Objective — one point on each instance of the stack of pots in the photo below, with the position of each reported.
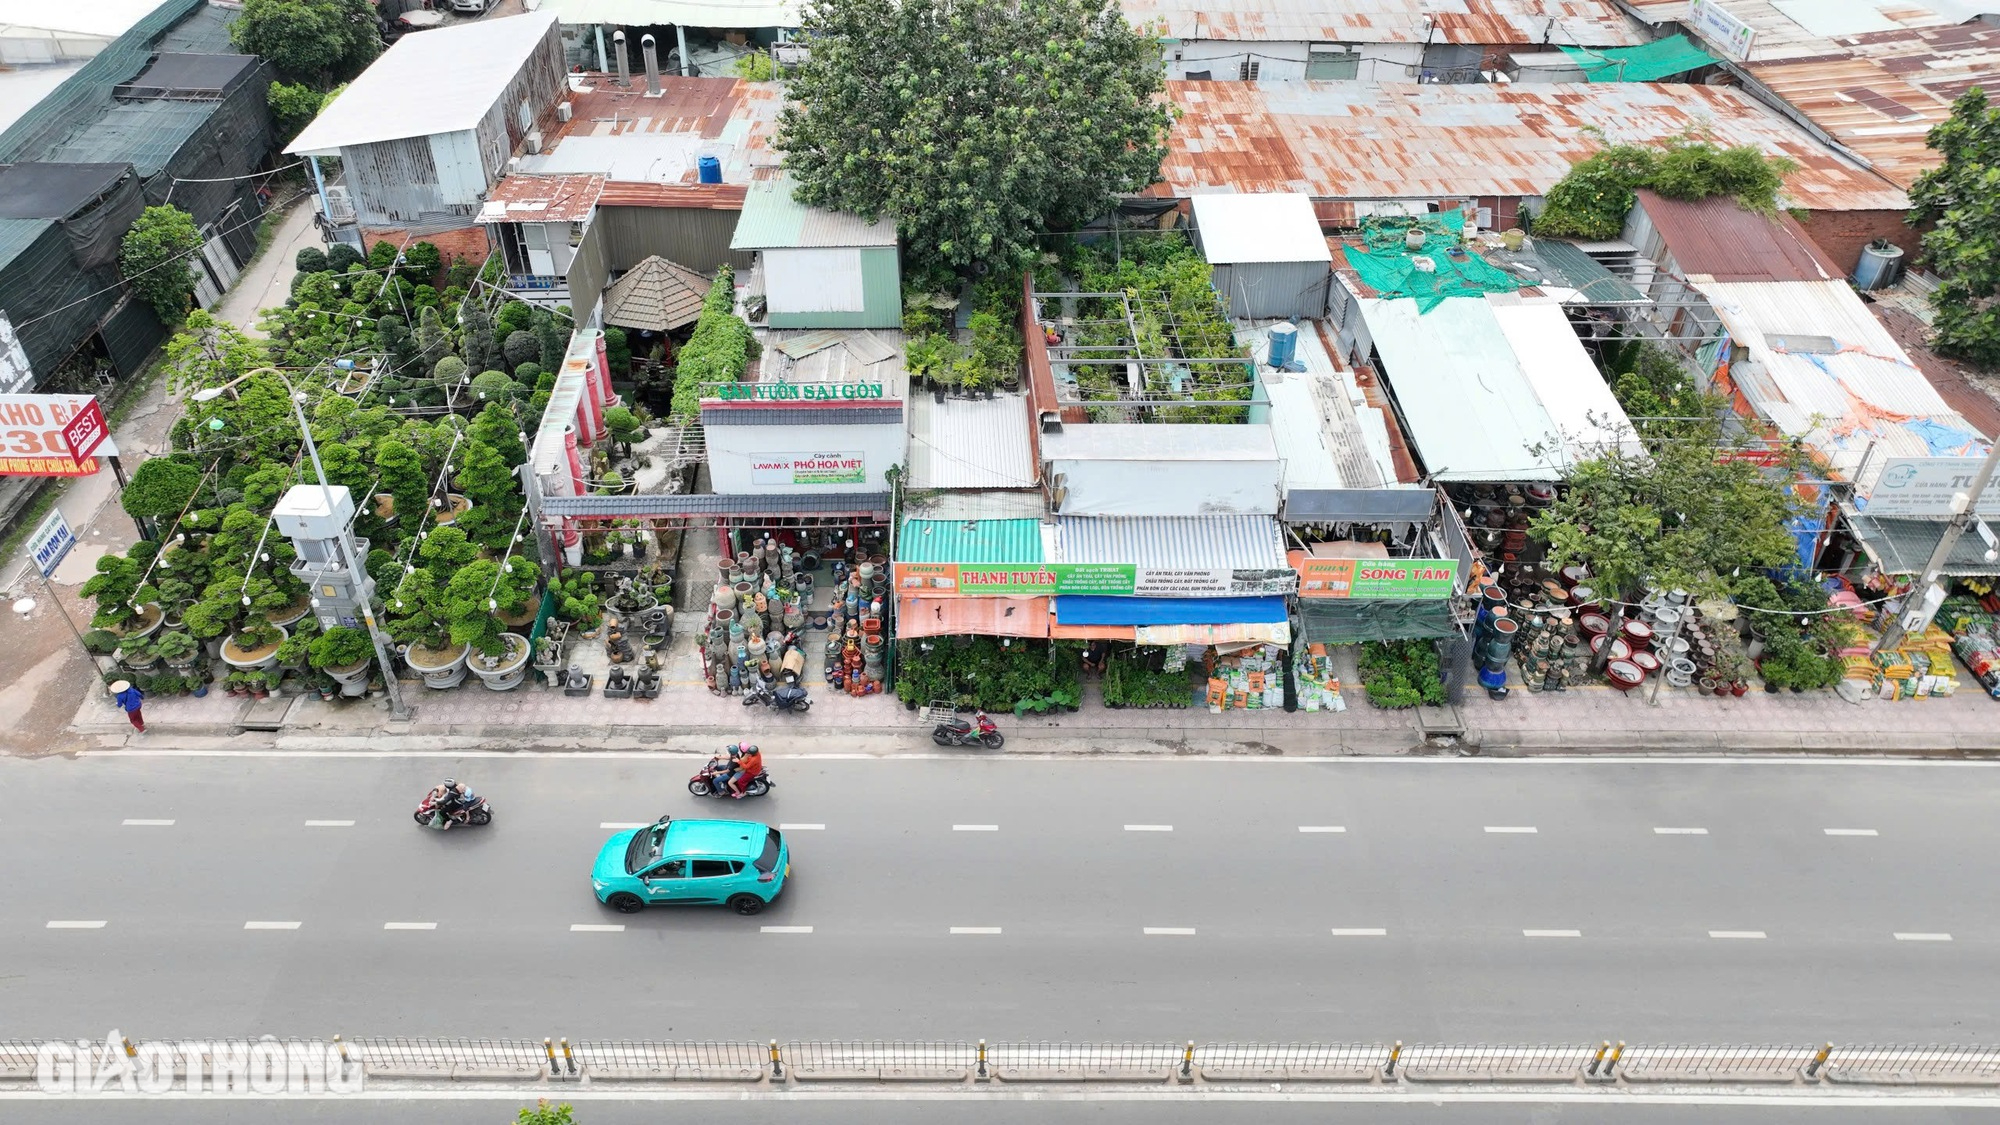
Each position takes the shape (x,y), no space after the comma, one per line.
(1493,636)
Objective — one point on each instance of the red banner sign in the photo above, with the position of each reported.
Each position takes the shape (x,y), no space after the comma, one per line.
(86,431)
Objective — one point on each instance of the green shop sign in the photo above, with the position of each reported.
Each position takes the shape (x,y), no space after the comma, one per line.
(981,579)
(974,580)
(797,392)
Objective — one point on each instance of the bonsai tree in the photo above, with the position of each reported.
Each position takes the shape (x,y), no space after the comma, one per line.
(446,549)
(520,347)
(119,586)
(577,601)
(485,477)
(161,488)
(469,604)
(341,647)
(175,647)
(216,612)
(402,477)
(417,612)
(518,579)
(497,427)
(100,642)
(625,428)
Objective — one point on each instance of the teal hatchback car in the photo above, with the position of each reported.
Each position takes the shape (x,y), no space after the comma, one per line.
(738,862)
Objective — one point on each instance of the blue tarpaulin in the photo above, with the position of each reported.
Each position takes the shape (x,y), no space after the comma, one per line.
(1091,609)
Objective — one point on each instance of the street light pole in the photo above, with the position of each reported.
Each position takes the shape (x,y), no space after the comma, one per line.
(1892,633)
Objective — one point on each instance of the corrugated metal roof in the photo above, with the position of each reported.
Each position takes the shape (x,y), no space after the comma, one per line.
(527,198)
(1570,274)
(16,235)
(1470,411)
(1588,23)
(970,541)
(1274,227)
(1316,426)
(1718,237)
(1110,441)
(706,197)
(1867,393)
(773,220)
(983,504)
(144,134)
(1363,140)
(442,81)
(971,443)
(1172,542)
(1878,91)
(706,504)
(1905,546)
(1563,377)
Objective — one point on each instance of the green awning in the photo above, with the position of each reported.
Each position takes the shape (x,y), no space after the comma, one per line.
(1345,621)
(1664,58)
(970,541)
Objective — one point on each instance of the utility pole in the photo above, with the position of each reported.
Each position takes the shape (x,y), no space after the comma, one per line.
(1965,512)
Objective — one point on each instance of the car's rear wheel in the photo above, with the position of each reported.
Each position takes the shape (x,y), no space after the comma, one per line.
(745,905)
(625,903)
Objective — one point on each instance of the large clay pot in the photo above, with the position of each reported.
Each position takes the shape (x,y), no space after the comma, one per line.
(503,673)
(440,670)
(252,660)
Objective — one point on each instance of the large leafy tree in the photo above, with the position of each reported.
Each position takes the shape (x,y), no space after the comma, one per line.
(318,42)
(975,124)
(156,260)
(1962,197)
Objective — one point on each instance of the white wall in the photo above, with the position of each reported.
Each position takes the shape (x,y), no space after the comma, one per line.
(820,279)
(1278,62)
(735,454)
(1167,487)
(461,179)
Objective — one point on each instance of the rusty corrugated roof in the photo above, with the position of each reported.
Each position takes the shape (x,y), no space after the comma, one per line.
(529,198)
(727,117)
(1876,92)
(709,197)
(1358,141)
(1576,23)
(1718,238)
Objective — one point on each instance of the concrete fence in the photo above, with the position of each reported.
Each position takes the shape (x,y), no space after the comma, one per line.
(1162,1063)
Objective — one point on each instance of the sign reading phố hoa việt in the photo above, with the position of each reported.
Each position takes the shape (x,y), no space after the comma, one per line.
(798,392)
(805,469)
(1378,578)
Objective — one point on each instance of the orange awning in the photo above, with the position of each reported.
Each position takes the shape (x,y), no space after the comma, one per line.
(982,617)
(1061,632)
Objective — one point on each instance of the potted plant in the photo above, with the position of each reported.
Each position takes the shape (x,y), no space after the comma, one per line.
(178,648)
(343,654)
(577,601)
(210,619)
(125,602)
(100,642)
(253,646)
(417,619)
(471,601)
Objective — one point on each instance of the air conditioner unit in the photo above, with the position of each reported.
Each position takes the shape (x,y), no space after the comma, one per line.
(534,145)
(514,164)
(564,110)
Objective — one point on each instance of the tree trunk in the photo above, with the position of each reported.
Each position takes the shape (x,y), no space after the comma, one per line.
(1602,658)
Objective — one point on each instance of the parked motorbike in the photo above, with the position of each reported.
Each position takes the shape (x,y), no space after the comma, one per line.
(474,812)
(709,783)
(958,732)
(784,697)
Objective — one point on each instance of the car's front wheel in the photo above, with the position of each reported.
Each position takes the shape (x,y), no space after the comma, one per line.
(746,905)
(625,903)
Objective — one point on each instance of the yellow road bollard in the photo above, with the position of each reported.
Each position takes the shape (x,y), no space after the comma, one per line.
(1598,1060)
(131,1052)
(549,1049)
(777,1065)
(982,1058)
(1187,1060)
(1819,1060)
(1395,1052)
(569,1060)
(342,1048)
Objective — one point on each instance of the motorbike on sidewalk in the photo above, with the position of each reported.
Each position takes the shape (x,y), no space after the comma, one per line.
(784,697)
(709,781)
(475,811)
(980,731)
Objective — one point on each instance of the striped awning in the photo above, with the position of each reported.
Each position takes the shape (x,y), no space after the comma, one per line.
(1172,542)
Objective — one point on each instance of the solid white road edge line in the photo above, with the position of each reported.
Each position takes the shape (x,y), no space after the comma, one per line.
(270,925)
(679,759)
(149,824)
(329,824)
(975,929)
(975,828)
(74,925)
(1746,935)
(1923,937)
(1781,1096)
(1321,828)
(1551,933)
(1170,931)
(1519,830)
(1852,832)
(596,928)
(1680,831)
(1360,932)
(409,925)
(785,929)
(1149,828)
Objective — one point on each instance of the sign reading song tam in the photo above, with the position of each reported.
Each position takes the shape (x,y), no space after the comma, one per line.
(1378,578)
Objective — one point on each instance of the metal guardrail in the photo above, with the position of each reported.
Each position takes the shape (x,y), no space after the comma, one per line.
(808,1061)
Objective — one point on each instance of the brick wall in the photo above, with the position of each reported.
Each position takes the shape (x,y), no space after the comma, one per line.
(1842,234)
(465,242)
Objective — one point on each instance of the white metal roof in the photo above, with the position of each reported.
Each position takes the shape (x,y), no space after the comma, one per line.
(1469,410)
(1111,441)
(970,443)
(1171,542)
(687,13)
(1866,393)
(1572,391)
(107,19)
(442,81)
(1316,421)
(1259,227)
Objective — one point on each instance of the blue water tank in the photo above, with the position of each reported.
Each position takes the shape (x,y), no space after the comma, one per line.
(711,170)
(1284,345)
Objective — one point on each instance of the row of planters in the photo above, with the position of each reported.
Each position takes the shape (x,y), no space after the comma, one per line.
(992,674)
(989,357)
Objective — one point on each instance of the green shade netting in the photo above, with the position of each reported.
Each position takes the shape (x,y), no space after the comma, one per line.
(1676,54)
(1342,621)
(1390,268)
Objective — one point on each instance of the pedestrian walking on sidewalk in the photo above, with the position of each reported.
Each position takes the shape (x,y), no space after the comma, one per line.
(131,699)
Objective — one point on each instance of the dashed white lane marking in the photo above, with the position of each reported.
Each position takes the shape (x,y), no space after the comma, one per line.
(1923,937)
(1322,828)
(1170,931)
(329,824)
(75,925)
(1852,832)
(621,825)
(149,824)
(786,929)
(801,827)
(596,928)
(1551,933)
(975,929)
(1680,831)
(975,828)
(1149,828)
(1518,830)
(1360,931)
(409,925)
(1744,935)
(270,925)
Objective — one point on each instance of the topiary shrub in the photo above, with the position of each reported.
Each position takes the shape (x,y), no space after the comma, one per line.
(1401,674)
(340,257)
(310,259)
(521,347)
(341,647)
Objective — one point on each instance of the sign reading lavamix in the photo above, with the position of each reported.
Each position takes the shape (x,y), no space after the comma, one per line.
(807,469)
(1378,578)
(952,580)
(798,392)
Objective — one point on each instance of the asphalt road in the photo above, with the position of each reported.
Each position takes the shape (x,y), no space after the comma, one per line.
(1474,942)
